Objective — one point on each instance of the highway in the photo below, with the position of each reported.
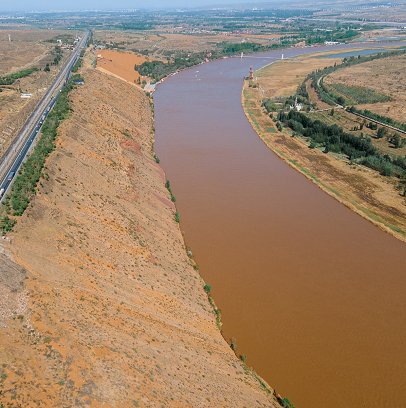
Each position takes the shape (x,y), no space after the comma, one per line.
(25,139)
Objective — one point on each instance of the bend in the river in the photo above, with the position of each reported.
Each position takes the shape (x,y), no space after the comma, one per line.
(314,294)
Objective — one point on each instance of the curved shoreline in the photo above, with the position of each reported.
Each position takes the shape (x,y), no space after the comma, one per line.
(319,183)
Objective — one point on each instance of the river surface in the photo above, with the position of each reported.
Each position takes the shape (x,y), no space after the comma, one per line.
(314,295)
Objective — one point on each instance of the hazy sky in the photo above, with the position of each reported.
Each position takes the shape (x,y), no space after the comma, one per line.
(40,5)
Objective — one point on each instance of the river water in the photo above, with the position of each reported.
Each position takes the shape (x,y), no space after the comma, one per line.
(314,295)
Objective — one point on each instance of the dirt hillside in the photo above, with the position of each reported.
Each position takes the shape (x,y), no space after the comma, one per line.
(101,306)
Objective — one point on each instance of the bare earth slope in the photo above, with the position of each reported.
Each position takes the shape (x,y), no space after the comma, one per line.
(107,310)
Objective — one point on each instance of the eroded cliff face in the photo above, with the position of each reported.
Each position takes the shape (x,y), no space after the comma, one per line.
(104,308)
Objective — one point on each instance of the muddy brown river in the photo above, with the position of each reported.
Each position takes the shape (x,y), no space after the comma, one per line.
(314,294)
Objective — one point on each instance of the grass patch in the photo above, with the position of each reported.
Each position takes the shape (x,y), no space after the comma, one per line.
(361,94)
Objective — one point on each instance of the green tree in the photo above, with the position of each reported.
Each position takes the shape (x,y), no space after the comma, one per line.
(332,112)
(207,288)
(381,133)
(341,100)
(396,140)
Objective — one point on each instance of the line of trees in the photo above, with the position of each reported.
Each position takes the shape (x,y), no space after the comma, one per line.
(334,139)
(379,118)
(30,172)
(10,79)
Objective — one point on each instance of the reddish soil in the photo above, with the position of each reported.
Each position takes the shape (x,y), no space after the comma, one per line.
(120,63)
(101,306)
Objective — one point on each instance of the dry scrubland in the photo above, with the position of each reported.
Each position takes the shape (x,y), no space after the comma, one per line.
(281,78)
(102,306)
(25,48)
(386,76)
(13,108)
(363,190)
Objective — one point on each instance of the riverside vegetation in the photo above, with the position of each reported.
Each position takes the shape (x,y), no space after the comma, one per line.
(332,137)
(343,144)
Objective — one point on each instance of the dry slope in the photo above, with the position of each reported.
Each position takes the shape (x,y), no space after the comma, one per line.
(105,308)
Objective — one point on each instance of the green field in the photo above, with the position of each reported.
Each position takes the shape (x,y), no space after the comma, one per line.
(360,94)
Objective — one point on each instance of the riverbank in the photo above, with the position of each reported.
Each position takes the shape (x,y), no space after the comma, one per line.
(106,298)
(362,190)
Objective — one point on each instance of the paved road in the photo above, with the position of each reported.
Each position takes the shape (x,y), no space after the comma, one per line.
(21,145)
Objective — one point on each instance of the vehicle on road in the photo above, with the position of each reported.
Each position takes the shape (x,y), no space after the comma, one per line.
(10,175)
(1,192)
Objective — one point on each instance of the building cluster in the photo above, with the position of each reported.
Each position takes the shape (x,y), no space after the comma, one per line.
(68,46)
(298,106)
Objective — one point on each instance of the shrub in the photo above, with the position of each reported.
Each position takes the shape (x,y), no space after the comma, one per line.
(7,224)
(207,288)
(287,404)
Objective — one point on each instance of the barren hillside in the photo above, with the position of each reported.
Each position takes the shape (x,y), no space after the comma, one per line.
(102,306)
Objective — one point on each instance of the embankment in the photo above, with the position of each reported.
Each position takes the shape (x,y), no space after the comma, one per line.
(100,303)
(363,190)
